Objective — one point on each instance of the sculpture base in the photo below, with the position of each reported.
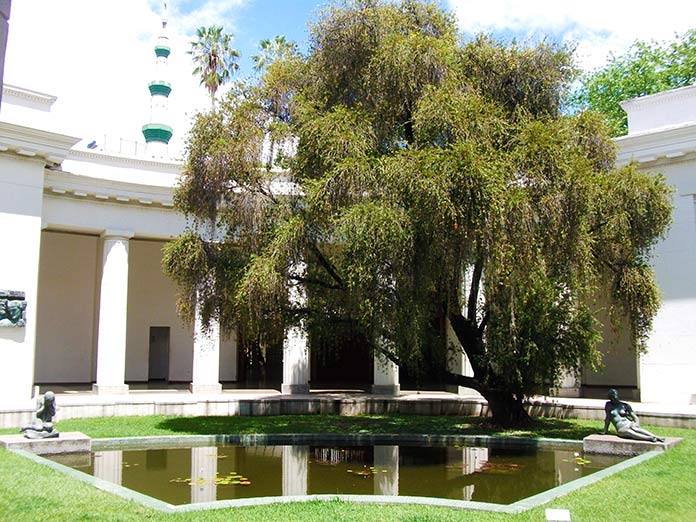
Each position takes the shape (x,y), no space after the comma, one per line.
(614,445)
(69,442)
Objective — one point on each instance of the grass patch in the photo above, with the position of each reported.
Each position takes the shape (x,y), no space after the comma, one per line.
(660,489)
(105,427)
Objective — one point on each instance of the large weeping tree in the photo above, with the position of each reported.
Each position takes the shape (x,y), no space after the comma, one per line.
(427,185)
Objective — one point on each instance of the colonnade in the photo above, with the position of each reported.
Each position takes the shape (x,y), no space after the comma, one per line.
(112,336)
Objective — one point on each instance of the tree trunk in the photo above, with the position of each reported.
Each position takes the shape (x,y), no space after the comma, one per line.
(506,408)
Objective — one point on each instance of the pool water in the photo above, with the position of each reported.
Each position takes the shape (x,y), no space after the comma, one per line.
(205,474)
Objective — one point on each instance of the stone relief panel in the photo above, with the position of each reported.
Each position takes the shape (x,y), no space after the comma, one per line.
(13,309)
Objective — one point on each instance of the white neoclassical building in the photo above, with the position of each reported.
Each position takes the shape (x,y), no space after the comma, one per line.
(80,261)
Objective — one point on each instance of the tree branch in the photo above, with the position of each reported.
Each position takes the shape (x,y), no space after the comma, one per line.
(327,265)
(463,380)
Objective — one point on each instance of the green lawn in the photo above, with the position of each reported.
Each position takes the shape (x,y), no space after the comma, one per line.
(662,489)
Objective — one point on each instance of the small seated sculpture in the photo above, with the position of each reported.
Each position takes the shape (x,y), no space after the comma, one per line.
(621,415)
(42,427)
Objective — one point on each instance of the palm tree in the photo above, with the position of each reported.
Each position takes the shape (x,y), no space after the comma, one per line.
(214,58)
(272,50)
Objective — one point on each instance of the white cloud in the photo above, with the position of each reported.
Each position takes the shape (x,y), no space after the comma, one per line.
(98,57)
(596,26)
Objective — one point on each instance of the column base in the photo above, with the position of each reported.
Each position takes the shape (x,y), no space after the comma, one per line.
(386,389)
(205,388)
(453,388)
(294,389)
(110,389)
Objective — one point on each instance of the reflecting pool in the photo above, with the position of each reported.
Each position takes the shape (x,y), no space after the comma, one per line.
(208,473)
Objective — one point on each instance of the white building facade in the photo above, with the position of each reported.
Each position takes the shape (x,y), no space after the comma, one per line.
(83,232)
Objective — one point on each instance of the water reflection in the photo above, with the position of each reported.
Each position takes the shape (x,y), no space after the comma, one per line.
(386,465)
(204,464)
(205,474)
(108,465)
(295,470)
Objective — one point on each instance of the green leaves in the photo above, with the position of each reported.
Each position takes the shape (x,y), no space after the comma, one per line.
(425,181)
(646,68)
(214,58)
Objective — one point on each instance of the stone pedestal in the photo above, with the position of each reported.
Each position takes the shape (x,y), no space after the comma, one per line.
(614,445)
(70,442)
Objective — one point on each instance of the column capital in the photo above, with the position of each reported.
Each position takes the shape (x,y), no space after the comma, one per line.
(117,233)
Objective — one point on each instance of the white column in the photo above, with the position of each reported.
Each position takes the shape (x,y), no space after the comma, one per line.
(113,306)
(206,357)
(386,462)
(108,465)
(295,470)
(204,463)
(295,351)
(386,376)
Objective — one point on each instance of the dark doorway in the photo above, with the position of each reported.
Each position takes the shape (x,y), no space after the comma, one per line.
(340,358)
(259,363)
(159,354)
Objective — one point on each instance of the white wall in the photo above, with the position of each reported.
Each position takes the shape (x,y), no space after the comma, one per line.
(67,308)
(668,370)
(152,302)
(21,187)
(620,363)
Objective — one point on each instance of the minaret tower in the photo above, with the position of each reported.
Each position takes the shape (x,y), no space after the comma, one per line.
(157,133)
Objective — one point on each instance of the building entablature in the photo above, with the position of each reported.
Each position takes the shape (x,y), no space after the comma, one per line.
(65,184)
(122,168)
(20,96)
(50,147)
(658,147)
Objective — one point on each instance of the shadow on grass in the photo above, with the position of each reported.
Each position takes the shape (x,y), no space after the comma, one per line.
(401,424)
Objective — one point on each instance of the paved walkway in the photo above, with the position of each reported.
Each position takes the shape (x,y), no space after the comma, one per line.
(177,400)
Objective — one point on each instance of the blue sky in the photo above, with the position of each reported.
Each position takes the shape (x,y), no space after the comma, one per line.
(97,55)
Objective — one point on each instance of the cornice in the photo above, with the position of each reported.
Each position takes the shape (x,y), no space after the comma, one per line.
(171,167)
(67,185)
(35,99)
(27,141)
(659,98)
(657,146)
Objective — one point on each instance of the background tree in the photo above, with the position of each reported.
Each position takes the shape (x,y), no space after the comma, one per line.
(214,57)
(277,48)
(435,186)
(646,68)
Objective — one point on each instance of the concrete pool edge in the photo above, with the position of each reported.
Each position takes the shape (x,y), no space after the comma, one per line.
(494,441)
(270,439)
